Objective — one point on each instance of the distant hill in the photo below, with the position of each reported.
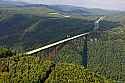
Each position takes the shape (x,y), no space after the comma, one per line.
(74,10)
(63,9)
(83,11)
(11,3)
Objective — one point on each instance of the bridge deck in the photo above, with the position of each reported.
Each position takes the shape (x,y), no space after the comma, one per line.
(54,44)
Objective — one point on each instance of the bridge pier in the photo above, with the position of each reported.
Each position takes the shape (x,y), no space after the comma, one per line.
(85,52)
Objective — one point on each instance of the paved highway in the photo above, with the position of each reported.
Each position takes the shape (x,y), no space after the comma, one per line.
(54,44)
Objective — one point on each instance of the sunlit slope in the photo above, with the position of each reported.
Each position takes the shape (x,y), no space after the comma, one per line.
(70,73)
(24,69)
(34,69)
(31,11)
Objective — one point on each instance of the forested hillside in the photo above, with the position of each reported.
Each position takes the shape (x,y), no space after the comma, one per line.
(106,52)
(106,58)
(70,73)
(35,69)
(25,32)
(24,27)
